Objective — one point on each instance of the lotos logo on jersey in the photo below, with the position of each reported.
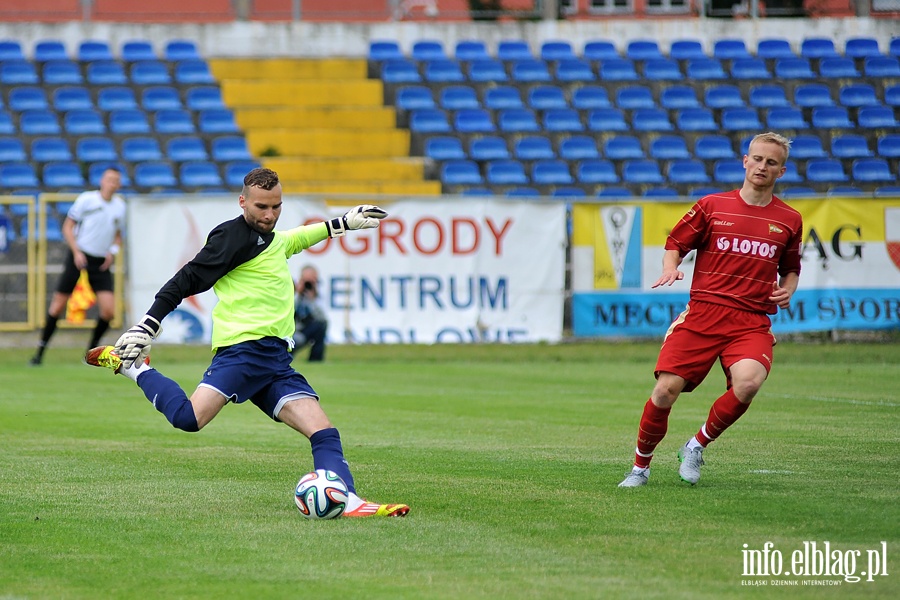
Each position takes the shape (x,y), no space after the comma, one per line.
(753,247)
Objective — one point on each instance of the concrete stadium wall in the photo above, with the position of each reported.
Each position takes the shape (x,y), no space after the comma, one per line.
(301,39)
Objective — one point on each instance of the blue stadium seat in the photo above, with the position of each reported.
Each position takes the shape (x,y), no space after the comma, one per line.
(687,172)
(135,50)
(18,72)
(400,70)
(825,170)
(203,97)
(850,145)
(186,148)
(811,95)
(669,147)
(225,148)
(63,175)
(651,119)
(686,50)
(770,95)
(888,145)
(176,50)
(487,71)
(510,50)
(428,50)
(705,69)
(11,50)
(91,50)
(522,192)
(568,192)
(750,68)
(735,119)
(642,172)
(45,50)
(18,175)
(174,121)
(106,72)
(467,50)
(831,117)
(141,149)
(50,149)
(128,121)
(533,147)
(793,68)
(455,97)
(664,69)
(443,71)
(618,69)
(506,172)
(546,97)
(501,97)
(95,149)
(876,117)
(845,191)
(643,50)
(782,117)
(729,171)
(730,49)
(555,50)
(589,97)
(714,147)
(28,98)
(116,98)
(84,122)
(798,191)
(818,48)
(160,97)
(661,192)
(193,72)
(12,150)
(154,174)
(679,96)
(574,70)
(217,121)
(887,191)
(858,94)
(838,68)
(598,50)
(892,95)
(200,174)
(562,119)
(724,96)
(72,98)
(615,191)
(381,50)
(529,71)
(551,172)
(427,120)
(61,72)
(807,146)
(578,147)
(414,97)
(39,122)
(894,47)
(696,119)
(474,120)
(861,47)
(149,72)
(513,120)
(596,171)
(623,147)
(236,170)
(489,147)
(791,174)
(607,119)
(631,97)
(476,191)
(705,190)
(773,48)
(882,66)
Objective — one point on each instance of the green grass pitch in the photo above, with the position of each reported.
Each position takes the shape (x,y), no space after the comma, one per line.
(508,455)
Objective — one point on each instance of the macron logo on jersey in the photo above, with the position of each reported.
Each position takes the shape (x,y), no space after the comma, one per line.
(752,247)
(260,241)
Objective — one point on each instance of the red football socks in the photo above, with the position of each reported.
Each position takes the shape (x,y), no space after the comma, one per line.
(653,427)
(724,412)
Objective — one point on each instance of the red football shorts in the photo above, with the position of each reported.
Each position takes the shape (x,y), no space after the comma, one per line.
(705,332)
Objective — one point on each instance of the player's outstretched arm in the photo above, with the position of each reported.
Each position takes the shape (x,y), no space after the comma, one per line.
(134,344)
(364,216)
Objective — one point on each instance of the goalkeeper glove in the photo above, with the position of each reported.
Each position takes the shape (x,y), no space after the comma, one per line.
(364,216)
(134,345)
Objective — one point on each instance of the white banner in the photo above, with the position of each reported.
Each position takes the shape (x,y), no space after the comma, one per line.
(437,271)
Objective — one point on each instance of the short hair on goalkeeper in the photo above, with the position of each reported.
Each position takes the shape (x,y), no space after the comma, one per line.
(260,177)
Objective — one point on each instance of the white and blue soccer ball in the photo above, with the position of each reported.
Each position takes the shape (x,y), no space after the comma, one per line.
(321,494)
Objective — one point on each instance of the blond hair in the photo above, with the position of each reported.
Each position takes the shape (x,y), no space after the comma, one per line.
(774,138)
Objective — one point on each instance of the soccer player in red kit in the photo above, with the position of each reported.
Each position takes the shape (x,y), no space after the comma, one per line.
(747,266)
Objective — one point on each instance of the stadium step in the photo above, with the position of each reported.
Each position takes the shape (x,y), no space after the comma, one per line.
(253,93)
(398,188)
(365,169)
(363,117)
(333,143)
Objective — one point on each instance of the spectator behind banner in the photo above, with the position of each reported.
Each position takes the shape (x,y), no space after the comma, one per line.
(309,318)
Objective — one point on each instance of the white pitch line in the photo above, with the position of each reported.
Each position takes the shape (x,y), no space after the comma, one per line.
(838,400)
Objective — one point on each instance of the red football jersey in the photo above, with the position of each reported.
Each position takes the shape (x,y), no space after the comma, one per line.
(741,249)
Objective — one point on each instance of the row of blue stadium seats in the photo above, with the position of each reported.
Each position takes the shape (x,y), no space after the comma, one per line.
(105,72)
(92,50)
(118,122)
(665,147)
(544,96)
(686,49)
(144,176)
(525,120)
(622,69)
(129,149)
(652,172)
(151,98)
(665,192)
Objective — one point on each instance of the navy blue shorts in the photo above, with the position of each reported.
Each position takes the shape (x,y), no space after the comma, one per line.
(259,371)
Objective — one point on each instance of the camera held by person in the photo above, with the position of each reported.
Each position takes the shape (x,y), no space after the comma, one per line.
(309,318)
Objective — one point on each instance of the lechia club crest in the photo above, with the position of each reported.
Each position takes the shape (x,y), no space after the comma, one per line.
(892,234)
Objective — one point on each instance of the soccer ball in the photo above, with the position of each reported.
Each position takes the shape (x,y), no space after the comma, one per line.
(321,494)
